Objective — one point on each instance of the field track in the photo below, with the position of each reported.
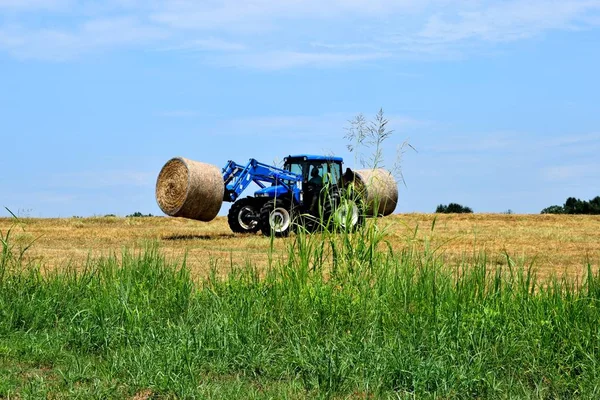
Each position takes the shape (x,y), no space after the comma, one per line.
(555,243)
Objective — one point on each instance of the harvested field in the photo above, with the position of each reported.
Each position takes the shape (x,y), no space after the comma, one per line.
(555,243)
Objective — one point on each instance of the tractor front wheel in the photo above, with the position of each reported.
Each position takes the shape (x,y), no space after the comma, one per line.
(244,216)
(276,218)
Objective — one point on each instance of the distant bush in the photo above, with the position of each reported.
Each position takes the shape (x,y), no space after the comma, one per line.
(453,208)
(553,210)
(138,214)
(576,206)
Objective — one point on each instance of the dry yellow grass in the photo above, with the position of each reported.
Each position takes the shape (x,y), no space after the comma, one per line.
(558,243)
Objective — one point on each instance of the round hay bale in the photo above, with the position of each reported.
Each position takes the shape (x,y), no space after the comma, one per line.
(190,189)
(379,190)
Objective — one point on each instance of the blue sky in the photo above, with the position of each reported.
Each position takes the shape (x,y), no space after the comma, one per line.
(501,99)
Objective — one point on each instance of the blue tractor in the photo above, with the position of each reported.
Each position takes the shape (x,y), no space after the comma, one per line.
(307,193)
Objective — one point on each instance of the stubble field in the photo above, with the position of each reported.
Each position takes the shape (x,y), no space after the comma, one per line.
(555,244)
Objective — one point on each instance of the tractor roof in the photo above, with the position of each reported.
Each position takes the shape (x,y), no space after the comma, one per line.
(309,157)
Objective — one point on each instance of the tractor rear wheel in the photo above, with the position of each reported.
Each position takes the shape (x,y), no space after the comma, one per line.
(276,218)
(244,216)
(344,212)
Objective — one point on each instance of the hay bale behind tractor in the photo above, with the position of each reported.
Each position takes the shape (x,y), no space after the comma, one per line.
(379,190)
(190,189)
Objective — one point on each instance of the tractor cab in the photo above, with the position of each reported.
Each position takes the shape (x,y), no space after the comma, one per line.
(329,169)
(318,172)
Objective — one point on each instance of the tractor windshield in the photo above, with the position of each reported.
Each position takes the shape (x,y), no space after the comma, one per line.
(296,168)
(326,172)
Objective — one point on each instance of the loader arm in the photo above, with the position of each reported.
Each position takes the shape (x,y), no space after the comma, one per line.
(237,177)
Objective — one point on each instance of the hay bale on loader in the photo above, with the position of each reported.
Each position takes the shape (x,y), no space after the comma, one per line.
(190,189)
(378,189)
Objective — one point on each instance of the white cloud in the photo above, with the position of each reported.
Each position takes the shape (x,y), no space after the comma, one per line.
(577,172)
(268,34)
(479,143)
(508,20)
(317,128)
(52,197)
(179,113)
(261,15)
(292,59)
(314,126)
(95,34)
(569,140)
(32,5)
(102,179)
(210,43)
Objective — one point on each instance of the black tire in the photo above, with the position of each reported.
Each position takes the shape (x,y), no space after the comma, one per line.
(276,218)
(243,216)
(343,212)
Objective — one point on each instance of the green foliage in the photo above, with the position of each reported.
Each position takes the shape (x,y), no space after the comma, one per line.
(576,206)
(138,214)
(553,210)
(374,323)
(453,208)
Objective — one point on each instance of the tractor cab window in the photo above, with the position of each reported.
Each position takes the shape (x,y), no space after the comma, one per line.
(326,173)
(334,173)
(295,168)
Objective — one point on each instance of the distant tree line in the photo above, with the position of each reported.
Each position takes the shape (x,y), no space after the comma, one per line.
(576,206)
(453,208)
(138,214)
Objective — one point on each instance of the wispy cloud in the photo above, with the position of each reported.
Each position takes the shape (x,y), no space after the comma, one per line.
(570,172)
(54,197)
(268,34)
(316,122)
(291,59)
(577,139)
(211,43)
(282,125)
(101,179)
(91,35)
(32,5)
(478,143)
(508,21)
(179,114)
(264,15)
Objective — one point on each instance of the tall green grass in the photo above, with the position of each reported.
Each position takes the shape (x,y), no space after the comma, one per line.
(343,316)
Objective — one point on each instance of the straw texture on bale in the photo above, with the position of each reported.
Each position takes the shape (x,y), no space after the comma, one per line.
(379,190)
(190,189)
